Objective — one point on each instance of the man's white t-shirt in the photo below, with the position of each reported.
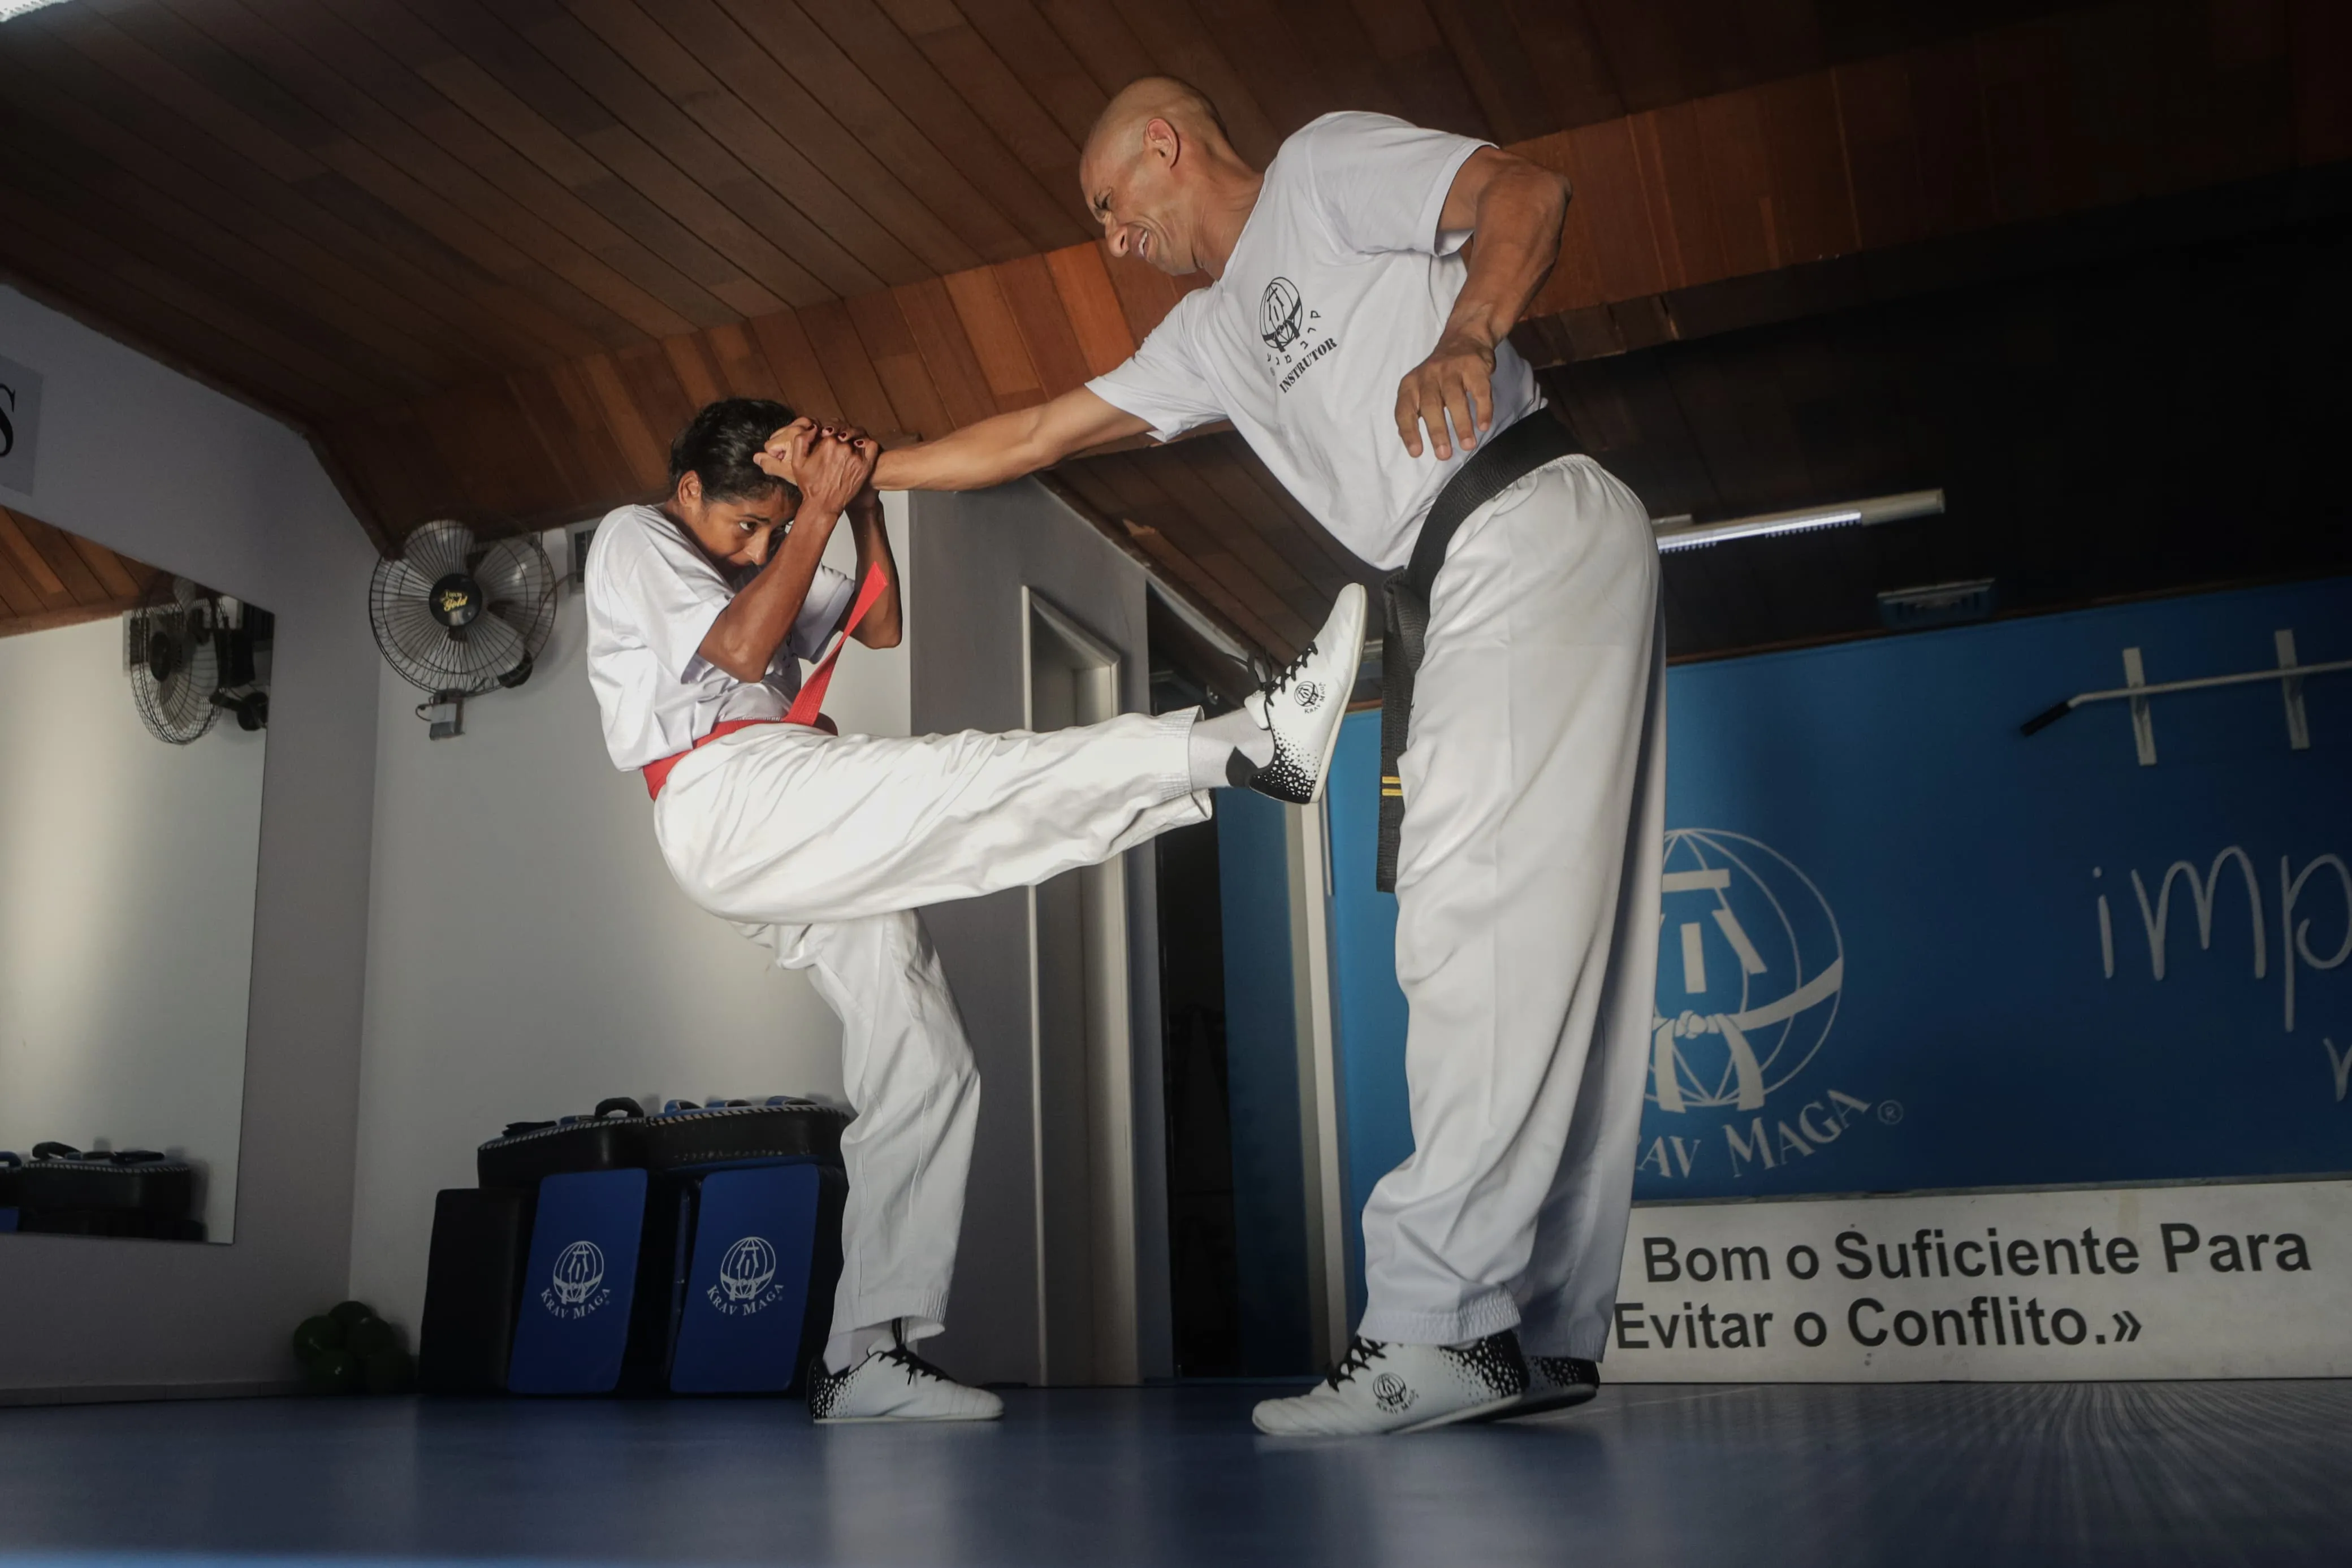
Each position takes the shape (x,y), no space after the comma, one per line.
(652,596)
(1339,286)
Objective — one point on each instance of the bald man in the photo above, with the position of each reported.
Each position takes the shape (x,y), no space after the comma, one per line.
(1354,333)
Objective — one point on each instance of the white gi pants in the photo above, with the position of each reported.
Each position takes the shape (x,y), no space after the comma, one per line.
(1527,898)
(821,849)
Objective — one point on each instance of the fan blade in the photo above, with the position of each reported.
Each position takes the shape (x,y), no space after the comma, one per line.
(514,569)
(401,578)
(523,617)
(438,548)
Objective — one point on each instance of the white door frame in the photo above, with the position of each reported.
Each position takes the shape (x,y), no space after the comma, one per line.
(1109,1349)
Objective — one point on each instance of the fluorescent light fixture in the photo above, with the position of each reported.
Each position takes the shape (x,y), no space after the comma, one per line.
(12,9)
(1680,533)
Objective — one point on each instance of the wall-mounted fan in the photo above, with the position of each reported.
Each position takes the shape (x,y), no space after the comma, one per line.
(457,617)
(193,654)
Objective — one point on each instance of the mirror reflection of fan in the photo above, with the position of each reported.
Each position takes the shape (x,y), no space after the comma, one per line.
(193,654)
(456,617)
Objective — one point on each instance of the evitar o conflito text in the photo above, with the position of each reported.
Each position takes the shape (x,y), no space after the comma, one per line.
(2005,1311)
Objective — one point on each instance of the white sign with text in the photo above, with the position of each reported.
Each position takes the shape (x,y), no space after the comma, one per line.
(2245,1280)
(20,423)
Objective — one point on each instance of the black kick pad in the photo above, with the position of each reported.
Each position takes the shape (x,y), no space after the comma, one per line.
(473,1286)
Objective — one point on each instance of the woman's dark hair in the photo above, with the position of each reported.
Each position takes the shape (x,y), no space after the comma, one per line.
(719,443)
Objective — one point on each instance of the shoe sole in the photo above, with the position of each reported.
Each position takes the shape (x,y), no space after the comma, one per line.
(1523,1405)
(1331,737)
(897,1420)
(1474,1413)
(1470,1413)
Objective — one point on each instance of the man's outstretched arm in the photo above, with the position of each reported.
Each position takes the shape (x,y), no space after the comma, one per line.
(1007,445)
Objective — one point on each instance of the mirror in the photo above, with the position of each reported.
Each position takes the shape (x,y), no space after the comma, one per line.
(134,712)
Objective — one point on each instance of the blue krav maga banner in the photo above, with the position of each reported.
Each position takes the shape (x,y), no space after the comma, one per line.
(1903,947)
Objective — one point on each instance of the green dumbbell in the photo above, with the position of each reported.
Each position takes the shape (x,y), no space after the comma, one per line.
(317,1335)
(370,1337)
(332,1372)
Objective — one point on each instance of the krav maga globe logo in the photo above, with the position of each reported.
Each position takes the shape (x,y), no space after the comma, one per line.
(1278,314)
(747,1268)
(1749,966)
(579,1270)
(747,1278)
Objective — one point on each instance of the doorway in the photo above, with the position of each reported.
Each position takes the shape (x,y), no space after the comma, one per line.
(1082,1062)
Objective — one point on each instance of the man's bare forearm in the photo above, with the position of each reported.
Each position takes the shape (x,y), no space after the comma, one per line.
(996,449)
(1006,446)
(1520,215)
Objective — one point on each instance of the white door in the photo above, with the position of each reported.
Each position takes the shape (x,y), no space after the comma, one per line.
(1082,1053)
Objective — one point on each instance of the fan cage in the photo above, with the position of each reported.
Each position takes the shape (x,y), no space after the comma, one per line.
(517,586)
(178,634)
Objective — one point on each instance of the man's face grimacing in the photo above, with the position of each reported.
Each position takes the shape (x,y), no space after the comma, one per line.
(738,531)
(1141,199)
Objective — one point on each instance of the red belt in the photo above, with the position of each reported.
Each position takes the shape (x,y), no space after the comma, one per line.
(806,706)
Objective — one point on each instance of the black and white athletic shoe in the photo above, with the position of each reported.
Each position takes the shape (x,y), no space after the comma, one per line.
(1379,1386)
(1554,1383)
(1303,705)
(894,1383)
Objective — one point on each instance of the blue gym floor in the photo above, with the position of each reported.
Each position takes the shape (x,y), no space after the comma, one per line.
(2139,1474)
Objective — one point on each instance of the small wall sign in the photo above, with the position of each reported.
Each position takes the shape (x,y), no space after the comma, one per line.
(20,423)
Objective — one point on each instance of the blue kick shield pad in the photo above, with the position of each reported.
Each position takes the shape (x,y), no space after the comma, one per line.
(748,1286)
(578,1284)
(7,1221)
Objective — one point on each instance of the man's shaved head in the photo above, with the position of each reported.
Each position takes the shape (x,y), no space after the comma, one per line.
(1118,132)
(1159,174)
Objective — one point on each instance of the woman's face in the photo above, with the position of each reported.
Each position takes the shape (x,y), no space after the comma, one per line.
(735,530)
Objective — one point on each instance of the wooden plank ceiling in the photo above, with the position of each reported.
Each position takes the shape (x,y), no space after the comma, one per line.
(492,252)
(50,577)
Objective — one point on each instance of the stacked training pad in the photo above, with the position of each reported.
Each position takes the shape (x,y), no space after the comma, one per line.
(62,1191)
(680,1251)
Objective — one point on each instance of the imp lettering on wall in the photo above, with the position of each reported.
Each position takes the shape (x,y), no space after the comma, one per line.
(1750,968)
(2231,867)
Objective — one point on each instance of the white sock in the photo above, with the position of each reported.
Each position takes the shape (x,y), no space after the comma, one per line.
(1214,741)
(843,1350)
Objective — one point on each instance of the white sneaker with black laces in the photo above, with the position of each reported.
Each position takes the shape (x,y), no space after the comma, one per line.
(1379,1386)
(1554,1383)
(894,1383)
(1302,706)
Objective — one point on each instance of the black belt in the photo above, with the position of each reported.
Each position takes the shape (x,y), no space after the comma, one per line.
(1506,459)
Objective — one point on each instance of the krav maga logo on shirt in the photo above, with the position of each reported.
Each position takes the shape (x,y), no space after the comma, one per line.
(1288,328)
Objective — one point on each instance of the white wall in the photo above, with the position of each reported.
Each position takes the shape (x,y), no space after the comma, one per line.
(126,914)
(146,461)
(977,551)
(528,954)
